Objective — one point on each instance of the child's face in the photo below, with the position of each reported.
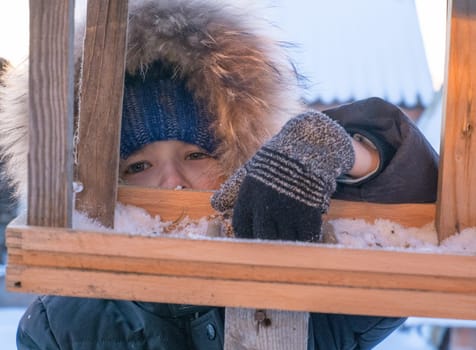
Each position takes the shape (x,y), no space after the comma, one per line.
(171,164)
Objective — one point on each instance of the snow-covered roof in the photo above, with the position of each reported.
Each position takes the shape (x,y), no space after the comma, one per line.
(356,49)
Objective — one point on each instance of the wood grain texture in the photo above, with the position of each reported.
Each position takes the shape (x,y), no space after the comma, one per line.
(245,272)
(456,208)
(51,113)
(408,215)
(169,204)
(102,84)
(172,204)
(281,330)
(234,251)
(269,275)
(219,292)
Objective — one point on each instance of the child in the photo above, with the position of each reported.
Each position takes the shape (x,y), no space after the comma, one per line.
(203,93)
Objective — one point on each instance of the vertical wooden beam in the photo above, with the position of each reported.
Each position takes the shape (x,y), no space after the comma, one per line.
(250,329)
(51,113)
(456,208)
(102,84)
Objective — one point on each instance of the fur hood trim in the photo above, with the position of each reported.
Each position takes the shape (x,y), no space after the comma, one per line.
(227,57)
(14,126)
(244,76)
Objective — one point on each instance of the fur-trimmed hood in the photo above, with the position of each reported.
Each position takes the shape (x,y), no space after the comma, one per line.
(4,65)
(244,75)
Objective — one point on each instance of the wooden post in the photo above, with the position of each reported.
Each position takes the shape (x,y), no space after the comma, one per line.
(102,84)
(456,209)
(252,329)
(51,113)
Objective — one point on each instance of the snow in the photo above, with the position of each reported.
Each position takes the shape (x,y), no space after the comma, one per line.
(387,234)
(351,233)
(136,221)
(406,338)
(9,318)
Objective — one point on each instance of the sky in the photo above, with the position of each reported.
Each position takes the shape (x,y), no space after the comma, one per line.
(432,15)
(14,30)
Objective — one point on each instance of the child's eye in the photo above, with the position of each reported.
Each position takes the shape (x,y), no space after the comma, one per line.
(197,156)
(137,167)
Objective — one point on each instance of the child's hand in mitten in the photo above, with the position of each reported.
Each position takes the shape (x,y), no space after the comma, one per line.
(283,190)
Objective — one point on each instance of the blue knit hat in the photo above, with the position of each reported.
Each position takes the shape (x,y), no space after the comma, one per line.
(159,109)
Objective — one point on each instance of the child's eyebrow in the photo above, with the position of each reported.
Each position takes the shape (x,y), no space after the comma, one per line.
(195,148)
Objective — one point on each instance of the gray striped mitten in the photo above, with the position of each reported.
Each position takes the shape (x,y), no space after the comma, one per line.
(283,190)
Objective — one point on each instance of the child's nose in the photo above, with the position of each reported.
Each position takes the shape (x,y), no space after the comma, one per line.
(171,177)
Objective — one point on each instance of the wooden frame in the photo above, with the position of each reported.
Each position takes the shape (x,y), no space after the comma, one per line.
(46,256)
(456,208)
(268,275)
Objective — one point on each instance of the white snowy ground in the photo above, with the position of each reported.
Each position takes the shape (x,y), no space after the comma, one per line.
(407,338)
(9,317)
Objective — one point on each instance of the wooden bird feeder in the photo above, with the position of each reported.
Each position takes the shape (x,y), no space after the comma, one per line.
(47,256)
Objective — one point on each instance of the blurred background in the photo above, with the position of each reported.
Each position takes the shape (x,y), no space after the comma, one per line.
(346,50)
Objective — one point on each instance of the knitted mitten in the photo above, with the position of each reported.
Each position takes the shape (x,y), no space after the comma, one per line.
(282,191)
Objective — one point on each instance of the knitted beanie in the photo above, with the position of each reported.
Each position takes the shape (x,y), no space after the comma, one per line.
(158,109)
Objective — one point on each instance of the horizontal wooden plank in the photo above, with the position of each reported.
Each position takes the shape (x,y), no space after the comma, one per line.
(262,295)
(246,252)
(303,277)
(408,215)
(169,204)
(172,204)
(249,272)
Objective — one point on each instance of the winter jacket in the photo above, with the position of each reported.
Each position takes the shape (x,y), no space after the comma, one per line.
(54,322)
(408,170)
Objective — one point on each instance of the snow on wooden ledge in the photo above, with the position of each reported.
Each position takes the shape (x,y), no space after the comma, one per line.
(342,232)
